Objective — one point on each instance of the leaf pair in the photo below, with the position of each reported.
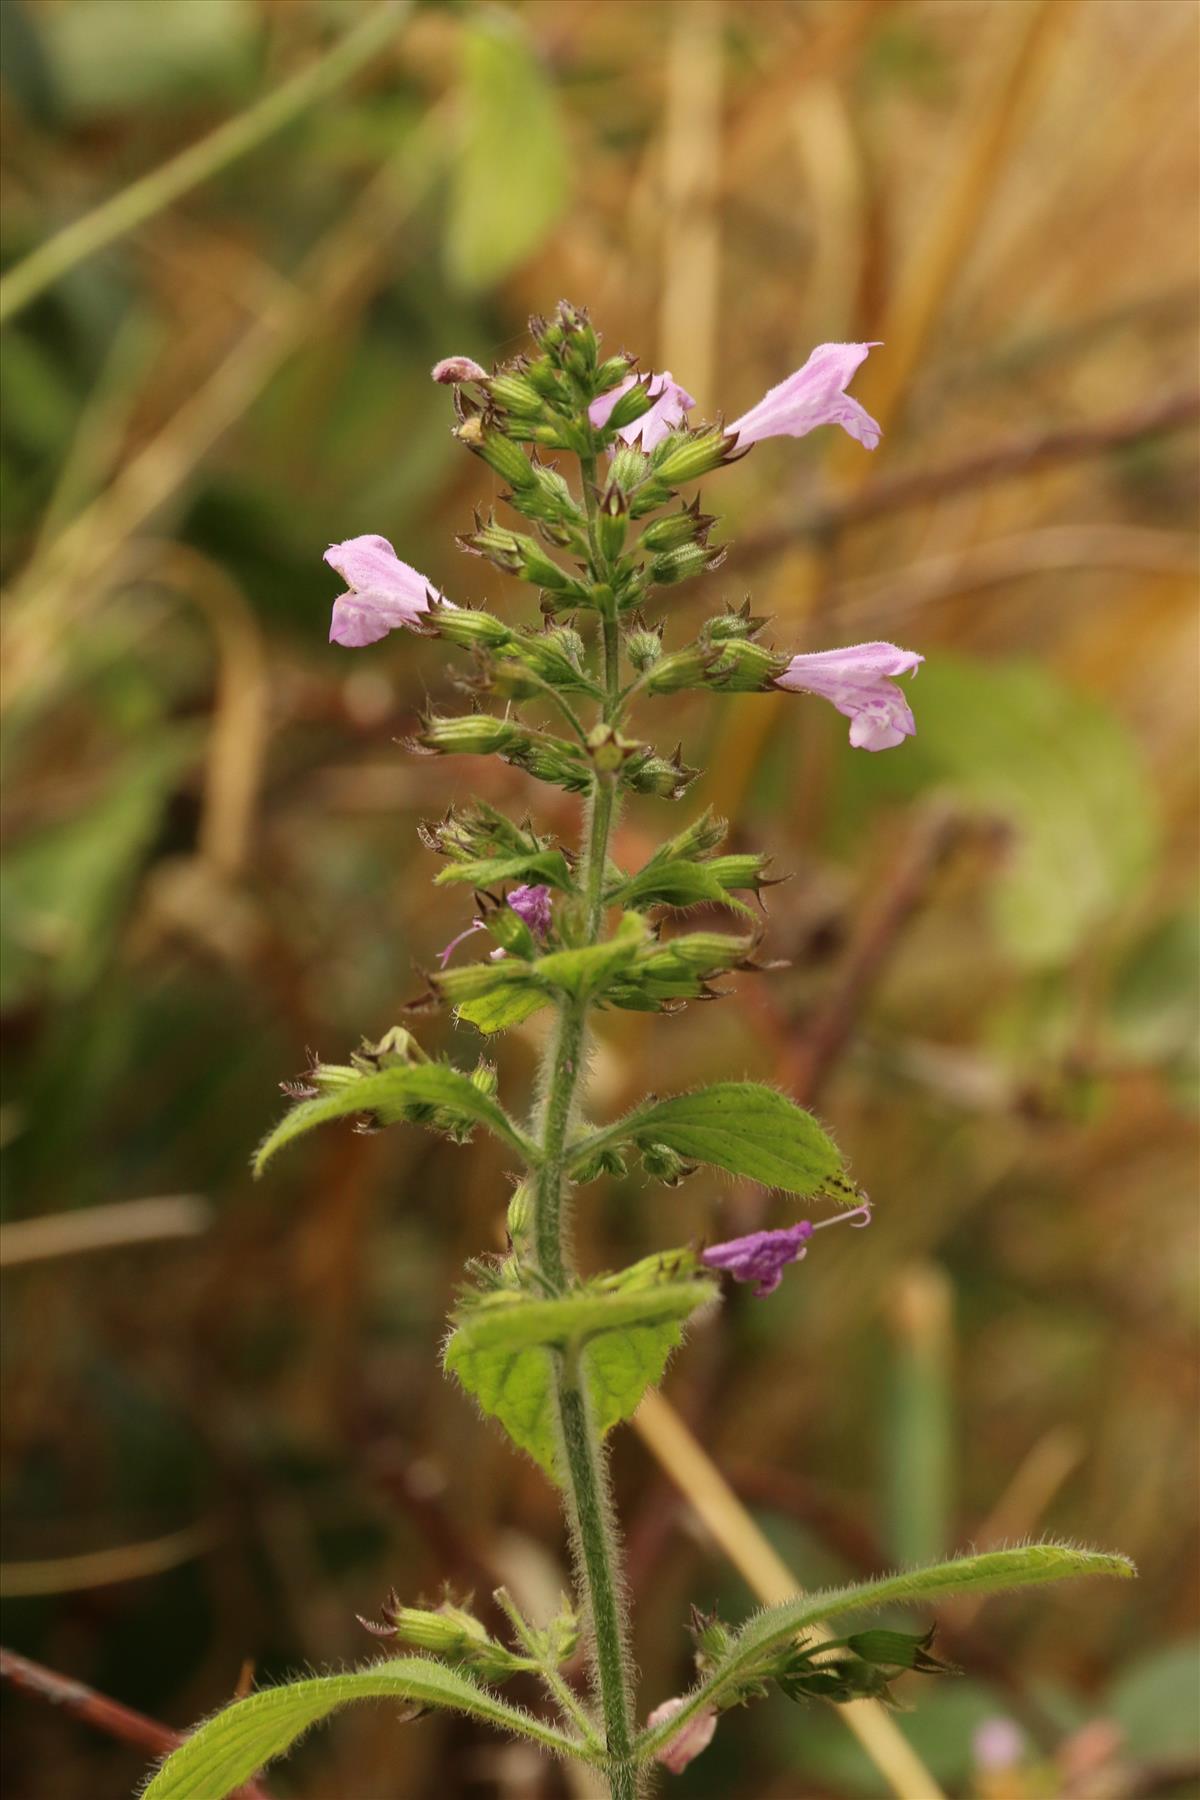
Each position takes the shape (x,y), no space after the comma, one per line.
(228,1749)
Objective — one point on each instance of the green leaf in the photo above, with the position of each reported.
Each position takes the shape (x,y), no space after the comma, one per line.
(511,180)
(391,1097)
(227,1750)
(771,1631)
(742,1127)
(589,970)
(549,866)
(505,1007)
(501,1353)
(677,883)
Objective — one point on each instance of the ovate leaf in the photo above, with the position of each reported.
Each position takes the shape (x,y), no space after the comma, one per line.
(742,1127)
(501,1352)
(510,182)
(392,1096)
(227,1750)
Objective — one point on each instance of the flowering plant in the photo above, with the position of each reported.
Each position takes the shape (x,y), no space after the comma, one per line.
(558,1357)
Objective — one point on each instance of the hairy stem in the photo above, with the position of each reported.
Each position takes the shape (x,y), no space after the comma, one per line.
(593,1529)
(589,1512)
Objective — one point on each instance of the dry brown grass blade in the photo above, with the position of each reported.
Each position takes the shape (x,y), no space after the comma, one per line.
(710,1496)
(103,1568)
(691,242)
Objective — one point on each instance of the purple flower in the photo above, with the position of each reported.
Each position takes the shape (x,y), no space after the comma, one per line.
(857,680)
(671,402)
(814,395)
(453,369)
(762,1256)
(385,593)
(533,905)
(695,1735)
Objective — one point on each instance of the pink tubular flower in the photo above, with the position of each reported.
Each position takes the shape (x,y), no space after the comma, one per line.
(762,1256)
(814,395)
(385,593)
(533,905)
(693,1737)
(858,682)
(453,369)
(671,402)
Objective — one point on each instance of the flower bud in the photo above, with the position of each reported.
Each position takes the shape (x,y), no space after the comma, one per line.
(629,467)
(613,522)
(514,394)
(651,774)
(611,373)
(688,525)
(643,648)
(511,932)
(734,622)
(539,567)
(608,749)
(550,498)
(666,1165)
(550,759)
(686,455)
(474,734)
(684,668)
(495,543)
(453,369)
(634,403)
(498,452)
(483,1077)
(683,562)
(741,667)
(471,629)
(519,1218)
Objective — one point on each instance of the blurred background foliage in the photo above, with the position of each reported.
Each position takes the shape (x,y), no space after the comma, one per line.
(224,1433)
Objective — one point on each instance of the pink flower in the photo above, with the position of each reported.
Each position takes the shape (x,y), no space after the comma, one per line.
(671,402)
(762,1256)
(532,904)
(453,369)
(814,395)
(856,679)
(385,593)
(692,1737)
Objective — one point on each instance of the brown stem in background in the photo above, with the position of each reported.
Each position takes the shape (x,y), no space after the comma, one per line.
(1016,456)
(808,1065)
(97,1710)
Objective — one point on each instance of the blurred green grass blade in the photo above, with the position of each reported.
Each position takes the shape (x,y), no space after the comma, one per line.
(229,1748)
(1019,745)
(511,180)
(918,1431)
(124,211)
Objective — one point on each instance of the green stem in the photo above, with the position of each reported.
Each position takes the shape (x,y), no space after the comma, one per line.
(593,1529)
(589,1512)
(198,163)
